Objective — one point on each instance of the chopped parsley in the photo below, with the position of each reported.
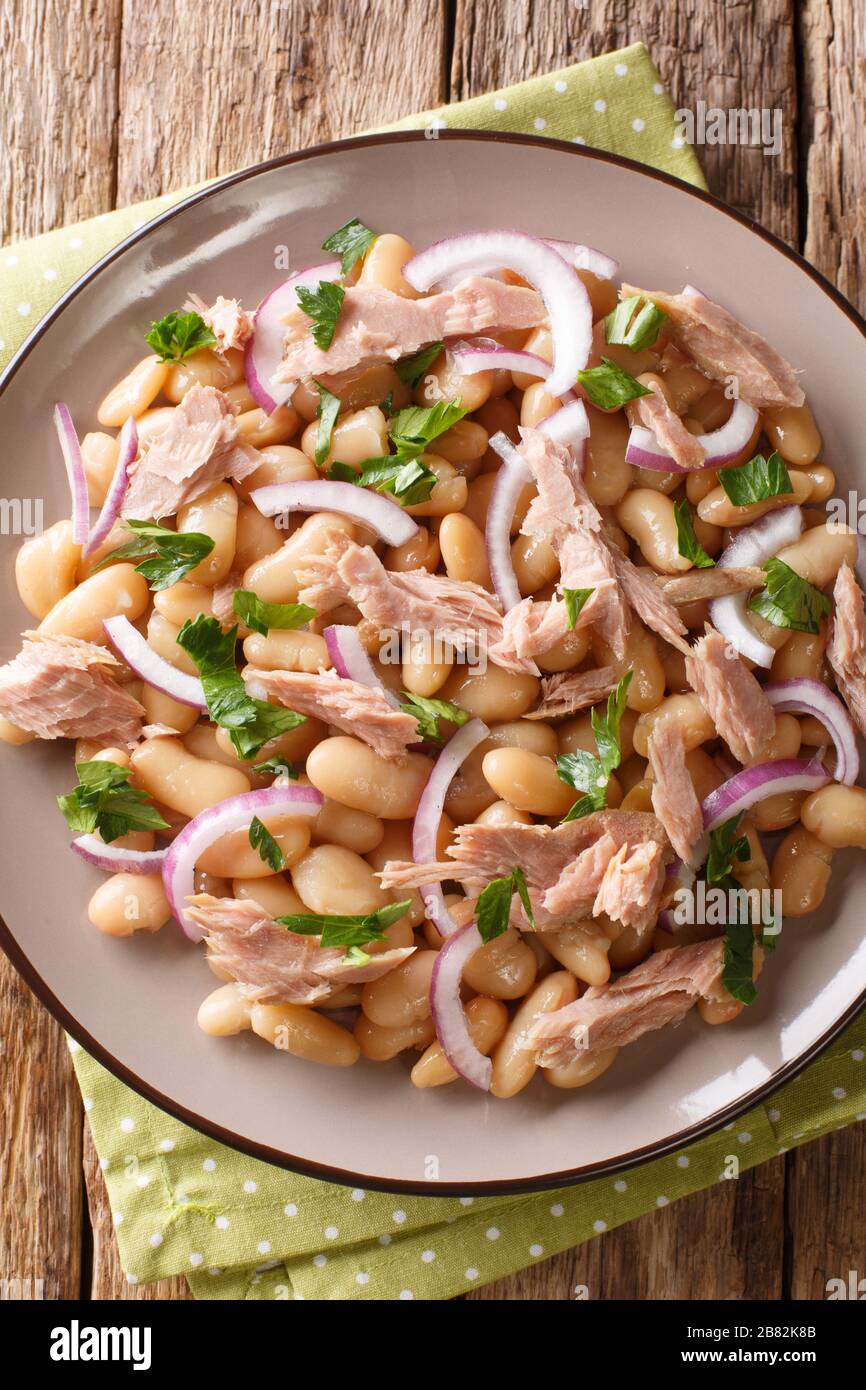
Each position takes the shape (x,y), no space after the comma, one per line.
(323,306)
(757,480)
(788,600)
(591,775)
(402,474)
(633,327)
(277,767)
(326,413)
(493,909)
(177,335)
(428,713)
(687,542)
(262,840)
(104,803)
(608,386)
(349,931)
(575,601)
(411,369)
(350,242)
(725,847)
(261,616)
(172,554)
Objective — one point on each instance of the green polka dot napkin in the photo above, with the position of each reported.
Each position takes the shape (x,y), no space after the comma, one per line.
(238,1228)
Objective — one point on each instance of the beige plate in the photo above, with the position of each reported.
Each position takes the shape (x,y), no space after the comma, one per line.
(133,1003)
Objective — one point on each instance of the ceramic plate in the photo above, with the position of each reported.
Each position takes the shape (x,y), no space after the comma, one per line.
(133,1003)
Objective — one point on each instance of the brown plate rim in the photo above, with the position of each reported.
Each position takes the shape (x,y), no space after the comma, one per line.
(277,1157)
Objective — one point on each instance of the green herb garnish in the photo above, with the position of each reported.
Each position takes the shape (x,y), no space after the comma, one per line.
(726,846)
(631,327)
(350,242)
(608,386)
(262,840)
(323,306)
(261,616)
(177,335)
(788,600)
(407,479)
(104,803)
(687,542)
(591,775)
(756,480)
(428,713)
(575,601)
(172,553)
(411,369)
(277,767)
(349,931)
(493,909)
(326,413)
(402,474)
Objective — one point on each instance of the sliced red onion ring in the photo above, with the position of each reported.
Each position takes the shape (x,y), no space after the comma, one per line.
(71,450)
(386,518)
(115,858)
(429,814)
(569,425)
(510,482)
(802,696)
(446,1007)
(117,487)
(264,350)
(153,668)
(483,354)
(565,297)
(351,661)
(752,546)
(586,258)
(719,446)
(745,789)
(186,849)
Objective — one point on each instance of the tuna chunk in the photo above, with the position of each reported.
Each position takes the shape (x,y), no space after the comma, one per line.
(350,706)
(230,324)
(710,583)
(724,348)
(273,965)
(654,413)
(632,885)
(655,994)
(460,614)
(649,602)
(61,687)
(674,798)
(201,445)
(731,696)
(377,325)
(576,889)
(570,691)
(846,647)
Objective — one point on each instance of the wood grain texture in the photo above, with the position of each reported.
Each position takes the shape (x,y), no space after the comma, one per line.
(826,1212)
(261,79)
(60,118)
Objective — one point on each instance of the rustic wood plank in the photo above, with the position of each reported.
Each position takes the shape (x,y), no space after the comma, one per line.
(711,52)
(260,79)
(107,1279)
(40,1143)
(833,62)
(826,1212)
(58,75)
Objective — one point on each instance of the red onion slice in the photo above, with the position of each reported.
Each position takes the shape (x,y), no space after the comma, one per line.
(802,696)
(186,849)
(719,446)
(429,814)
(752,546)
(565,297)
(745,789)
(264,350)
(117,487)
(446,1007)
(483,354)
(153,668)
(71,450)
(372,509)
(115,858)
(569,425)
(585,258)
(351,661)
(510,482)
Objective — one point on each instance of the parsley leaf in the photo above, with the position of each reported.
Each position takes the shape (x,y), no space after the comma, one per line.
(277,767)
(608,386)
(250,722)
(724,849)
(591,775)
(323,306)
(739,957)
(105,803)
(269,851)
(756,480)
(493,909)
(411,369)
(687,542)
(174,553)
(413,428)
(575,601)
(350,242)
(343,473)
(326,413)
(403,474)
(788,600)
(261,616)
(337,930)
(631,327)
(177,335)
(429,712)
(407,479)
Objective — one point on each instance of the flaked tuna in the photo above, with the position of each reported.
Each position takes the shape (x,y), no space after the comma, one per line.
(717,582)
(577,887)
(570,691)
(846,646)
(731,695)
(649,601)
(377,325)
(724,348)
(348,705)
(231,325)
(632,884)
(461,615)
(222,599)
(674,798)
(654,413)
(201,445)
(655,994)
(61,687)
(273,965)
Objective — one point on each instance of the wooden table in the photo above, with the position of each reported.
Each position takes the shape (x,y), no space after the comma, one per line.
(110,101)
